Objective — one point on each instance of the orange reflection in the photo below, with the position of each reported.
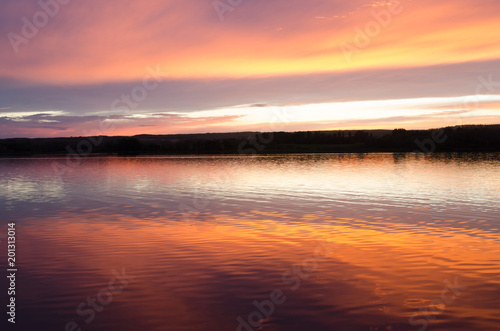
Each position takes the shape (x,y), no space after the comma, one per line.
(200,273)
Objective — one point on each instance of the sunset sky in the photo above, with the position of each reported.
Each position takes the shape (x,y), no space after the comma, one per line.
(72,68)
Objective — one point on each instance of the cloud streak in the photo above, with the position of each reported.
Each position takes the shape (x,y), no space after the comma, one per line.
(265,53)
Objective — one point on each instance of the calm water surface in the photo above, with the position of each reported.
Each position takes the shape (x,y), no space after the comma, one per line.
(285,242)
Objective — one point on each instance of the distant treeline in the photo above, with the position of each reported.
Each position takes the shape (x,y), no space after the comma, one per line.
(469,138)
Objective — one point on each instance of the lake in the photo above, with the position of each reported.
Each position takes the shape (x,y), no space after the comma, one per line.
(282,242)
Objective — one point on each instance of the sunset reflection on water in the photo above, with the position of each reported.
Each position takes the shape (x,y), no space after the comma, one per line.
(362,242)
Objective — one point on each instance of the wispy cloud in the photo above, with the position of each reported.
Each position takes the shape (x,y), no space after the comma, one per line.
(265,54)
(91,42)
(31,125)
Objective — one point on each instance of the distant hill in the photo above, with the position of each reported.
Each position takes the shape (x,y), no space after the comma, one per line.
(468,138)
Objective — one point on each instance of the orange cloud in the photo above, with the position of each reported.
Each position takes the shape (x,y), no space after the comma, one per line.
(92,41)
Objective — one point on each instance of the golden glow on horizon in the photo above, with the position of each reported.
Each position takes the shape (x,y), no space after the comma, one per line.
(416,113)
(189,45)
